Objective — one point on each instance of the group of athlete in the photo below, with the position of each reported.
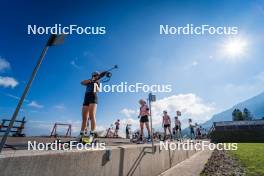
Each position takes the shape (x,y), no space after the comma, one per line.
(90,106)
(166,122)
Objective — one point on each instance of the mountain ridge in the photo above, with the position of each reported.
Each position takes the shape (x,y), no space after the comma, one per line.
(255,105)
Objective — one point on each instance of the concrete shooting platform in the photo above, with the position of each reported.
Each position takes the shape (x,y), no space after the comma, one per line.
(120,158)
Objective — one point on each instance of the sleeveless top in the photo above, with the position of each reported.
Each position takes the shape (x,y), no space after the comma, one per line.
(90,88)
(166,120)
(144,110)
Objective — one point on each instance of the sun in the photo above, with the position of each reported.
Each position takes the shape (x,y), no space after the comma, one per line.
(235,48)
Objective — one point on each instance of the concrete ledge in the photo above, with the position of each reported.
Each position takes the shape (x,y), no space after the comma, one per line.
(125,160)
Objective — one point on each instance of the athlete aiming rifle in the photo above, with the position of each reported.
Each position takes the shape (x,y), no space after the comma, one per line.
(90,102)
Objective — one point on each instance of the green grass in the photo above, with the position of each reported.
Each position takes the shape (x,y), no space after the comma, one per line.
(251,156)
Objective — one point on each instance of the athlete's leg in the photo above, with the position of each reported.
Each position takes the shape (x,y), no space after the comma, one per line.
(141,131)
(177,134)
(85,112)
(141,128)
(165,131)
(147,126)
(116,133)
(92,114)
(180,136)
(170,132)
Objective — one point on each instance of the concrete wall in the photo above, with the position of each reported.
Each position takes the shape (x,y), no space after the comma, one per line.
(125,160)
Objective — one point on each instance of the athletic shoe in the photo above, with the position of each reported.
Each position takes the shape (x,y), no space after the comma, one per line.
(79,137)
(88,140)
(149,139)
(140,142)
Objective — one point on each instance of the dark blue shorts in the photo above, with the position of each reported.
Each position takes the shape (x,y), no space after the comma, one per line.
(90,98)
(144,119)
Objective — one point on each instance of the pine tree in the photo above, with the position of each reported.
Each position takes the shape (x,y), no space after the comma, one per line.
(247,114)
(237,115)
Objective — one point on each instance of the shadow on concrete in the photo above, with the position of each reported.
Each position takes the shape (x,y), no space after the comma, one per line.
(121,161)
(106,157)
(171,155)
(138,160)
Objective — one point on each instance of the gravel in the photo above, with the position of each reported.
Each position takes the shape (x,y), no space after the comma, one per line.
(222,164)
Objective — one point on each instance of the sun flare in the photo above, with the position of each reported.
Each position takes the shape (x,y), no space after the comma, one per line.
(235,48)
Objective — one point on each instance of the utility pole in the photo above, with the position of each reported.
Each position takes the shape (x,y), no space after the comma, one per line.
(151,98)
(53,40)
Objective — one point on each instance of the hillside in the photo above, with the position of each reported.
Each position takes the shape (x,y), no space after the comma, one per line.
(254,104)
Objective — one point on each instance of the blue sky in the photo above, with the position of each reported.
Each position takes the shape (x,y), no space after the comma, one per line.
(204,78)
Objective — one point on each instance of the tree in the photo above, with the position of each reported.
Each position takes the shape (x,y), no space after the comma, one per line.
(234,115)
(237,115)
(247,114)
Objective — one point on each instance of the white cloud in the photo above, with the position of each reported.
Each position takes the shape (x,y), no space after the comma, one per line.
(41,124)
(42,127)
(128,112)
(194,63)
(211,57)
(48,126)
(60,107)
(190,105)
(74,64)
(8,82)
(260,77)
(191,65)
(13,96)
(4,64)
(130,118)
(35,104)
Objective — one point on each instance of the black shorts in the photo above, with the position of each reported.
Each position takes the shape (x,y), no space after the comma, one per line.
(144,119)
(90,98)
(167,126)
(177,127)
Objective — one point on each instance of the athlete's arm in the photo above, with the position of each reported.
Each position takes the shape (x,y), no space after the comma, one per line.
(85,82)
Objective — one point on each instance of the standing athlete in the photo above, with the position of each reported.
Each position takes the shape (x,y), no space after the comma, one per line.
(166,123)
(117,124)
(191,126)
(178,126)
(90,105)
(143,115)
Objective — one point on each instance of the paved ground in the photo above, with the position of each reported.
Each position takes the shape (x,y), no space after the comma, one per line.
(21,143)
(190,167)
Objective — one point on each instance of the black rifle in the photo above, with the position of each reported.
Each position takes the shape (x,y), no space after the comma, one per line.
(105,76)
